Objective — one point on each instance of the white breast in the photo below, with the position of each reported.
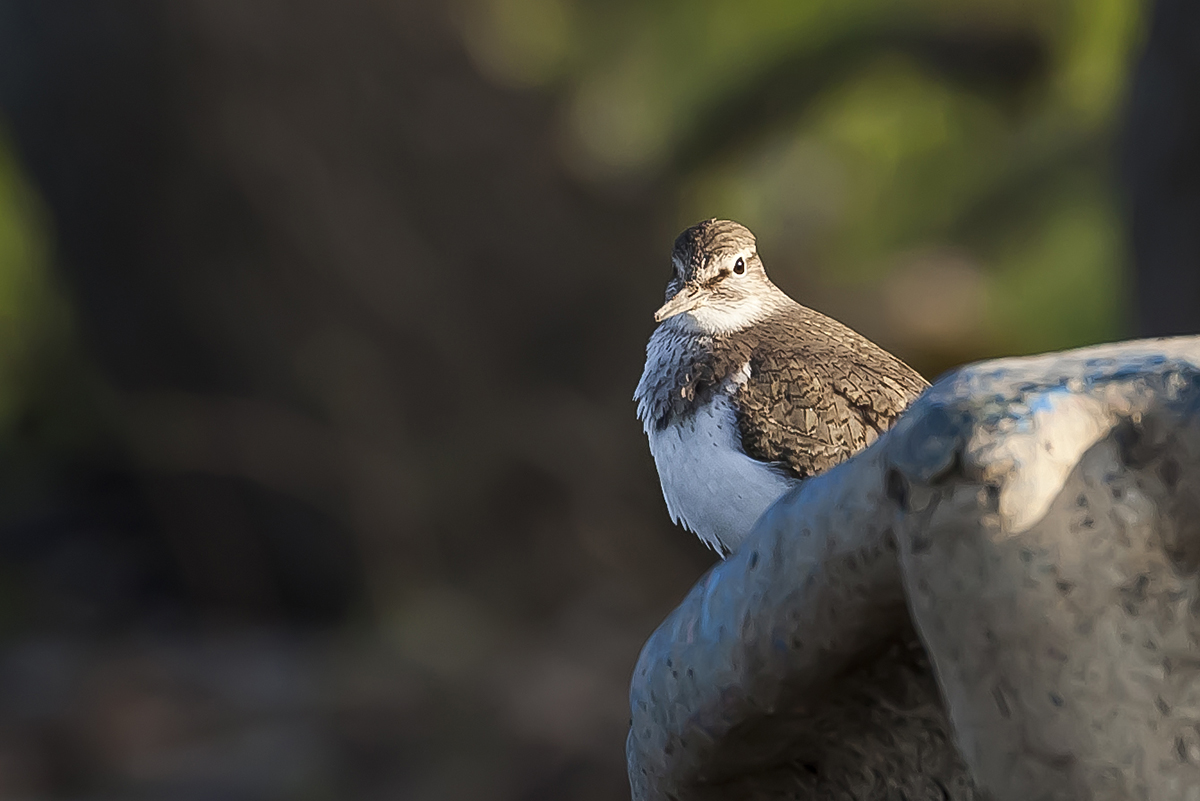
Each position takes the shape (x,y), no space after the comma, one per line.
(711,487)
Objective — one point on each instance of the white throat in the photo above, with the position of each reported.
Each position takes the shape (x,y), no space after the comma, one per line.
(715,317)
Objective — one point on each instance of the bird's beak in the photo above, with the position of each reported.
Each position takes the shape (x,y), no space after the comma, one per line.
(685,299)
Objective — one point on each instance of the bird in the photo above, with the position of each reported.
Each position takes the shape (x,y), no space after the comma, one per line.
(746,393)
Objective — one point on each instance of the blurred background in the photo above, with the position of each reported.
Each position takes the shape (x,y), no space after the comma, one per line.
(319,324)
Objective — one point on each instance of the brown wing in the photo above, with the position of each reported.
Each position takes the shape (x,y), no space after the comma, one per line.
(818,393)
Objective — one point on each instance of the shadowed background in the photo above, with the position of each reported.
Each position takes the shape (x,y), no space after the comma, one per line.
(319,324)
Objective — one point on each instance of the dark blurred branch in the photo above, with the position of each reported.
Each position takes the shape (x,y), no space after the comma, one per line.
(1161,166)
(1000,64)
(1031,181)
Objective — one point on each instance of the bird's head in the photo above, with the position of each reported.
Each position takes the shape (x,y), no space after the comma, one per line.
(718,279)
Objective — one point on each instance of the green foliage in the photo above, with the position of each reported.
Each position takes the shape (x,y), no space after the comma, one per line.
(29,315)
(856,135)
(45,402)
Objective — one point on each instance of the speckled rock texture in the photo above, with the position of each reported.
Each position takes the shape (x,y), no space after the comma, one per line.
(791,670)
(1050,540)
(1038,521)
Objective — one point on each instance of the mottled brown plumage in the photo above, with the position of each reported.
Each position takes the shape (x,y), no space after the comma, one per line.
(803,391)
(817,391)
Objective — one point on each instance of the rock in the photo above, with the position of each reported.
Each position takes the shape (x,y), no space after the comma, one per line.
(1039,517)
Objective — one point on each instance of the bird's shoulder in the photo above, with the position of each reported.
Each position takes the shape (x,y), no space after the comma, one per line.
(815,391)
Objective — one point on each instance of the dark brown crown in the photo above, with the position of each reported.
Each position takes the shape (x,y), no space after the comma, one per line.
(702,241)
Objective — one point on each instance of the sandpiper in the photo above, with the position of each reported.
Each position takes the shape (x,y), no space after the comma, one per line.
(746,392)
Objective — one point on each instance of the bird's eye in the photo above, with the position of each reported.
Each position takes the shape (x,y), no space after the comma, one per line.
(739,266)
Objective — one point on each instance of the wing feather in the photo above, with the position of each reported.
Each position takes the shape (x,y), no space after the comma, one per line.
(817,393)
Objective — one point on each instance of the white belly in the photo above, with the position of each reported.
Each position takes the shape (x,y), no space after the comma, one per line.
(712,488)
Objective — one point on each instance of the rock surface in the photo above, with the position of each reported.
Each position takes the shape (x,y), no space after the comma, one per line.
(1039,518)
